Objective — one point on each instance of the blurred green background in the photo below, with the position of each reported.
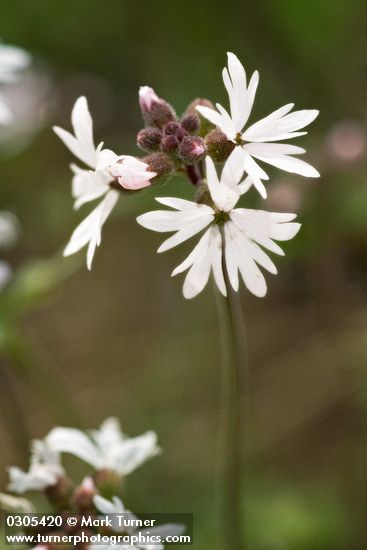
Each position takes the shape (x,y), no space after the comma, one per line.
(78,346)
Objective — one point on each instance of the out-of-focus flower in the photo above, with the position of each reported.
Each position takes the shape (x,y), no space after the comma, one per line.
(257,141)
(347,141)
(44,471)
(107,448)
(116,507)
(242,232)
(11,503)
(9,229)
(12,61)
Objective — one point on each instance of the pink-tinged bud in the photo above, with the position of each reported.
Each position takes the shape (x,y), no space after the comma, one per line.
(160,163)
(131,173)
(155,110)
(191,123)
(218,146)
(171,128)
(146,97)
(83,495)
(170,144)
(108,482)
(192,149)
(149,139)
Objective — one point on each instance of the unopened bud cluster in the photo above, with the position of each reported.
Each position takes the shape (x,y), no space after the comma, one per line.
(166,134)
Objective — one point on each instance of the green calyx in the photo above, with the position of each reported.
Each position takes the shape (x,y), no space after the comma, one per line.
(221,217)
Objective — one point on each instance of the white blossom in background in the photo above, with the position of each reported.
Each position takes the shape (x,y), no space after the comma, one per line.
(245,232)
(44,471)
(258,140)
(94,183)
(13,60)
(11,503)
(9,229)
(106,448)
(117,507)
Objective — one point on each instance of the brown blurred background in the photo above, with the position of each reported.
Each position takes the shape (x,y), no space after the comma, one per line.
(78,346)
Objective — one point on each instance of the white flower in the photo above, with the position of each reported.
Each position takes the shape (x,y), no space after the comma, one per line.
(106,448)
(117,507)
(244,232)
(256,142)
(45,470)
(88,185)
(12,61)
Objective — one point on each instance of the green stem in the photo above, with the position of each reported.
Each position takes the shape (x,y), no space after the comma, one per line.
(233,359)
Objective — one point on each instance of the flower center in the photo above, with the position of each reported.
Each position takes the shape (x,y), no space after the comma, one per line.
(220,217)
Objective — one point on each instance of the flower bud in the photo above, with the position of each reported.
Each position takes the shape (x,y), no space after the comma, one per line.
(171,128)
(219,147)
(59,494)
(191,123)
(83,495)
(107,482)
(169,144)
(149,139)
(205,125)
(192,149)
(155,110)
(160,163)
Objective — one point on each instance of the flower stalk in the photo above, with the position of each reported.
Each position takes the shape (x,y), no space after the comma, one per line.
(234,405)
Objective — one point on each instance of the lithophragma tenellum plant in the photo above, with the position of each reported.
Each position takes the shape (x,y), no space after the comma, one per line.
(112,456)
(235,241)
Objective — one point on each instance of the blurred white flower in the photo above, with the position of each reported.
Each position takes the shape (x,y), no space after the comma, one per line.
(88,185)
(257,140)
(117,507)
(11,503)
(106,448)
(244,232)
(44,471)
(12,61)
(9,229)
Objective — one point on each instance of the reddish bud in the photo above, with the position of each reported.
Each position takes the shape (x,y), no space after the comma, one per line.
(160,163)
(191,123)
(169,144)
(192,149)
(149,139)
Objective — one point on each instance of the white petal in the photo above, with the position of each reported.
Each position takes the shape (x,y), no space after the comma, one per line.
(82,144)
(257,174)
(89,230)
(187,232)
(211,115)
(233,168)
(105,158)
(279,125)
(168,220)
(75,442)
(180,204)
(87,185)
(132,452)
(223,196)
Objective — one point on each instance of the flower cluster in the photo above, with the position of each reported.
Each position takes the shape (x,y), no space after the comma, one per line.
(112,455)
(235,238)
(12,61)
